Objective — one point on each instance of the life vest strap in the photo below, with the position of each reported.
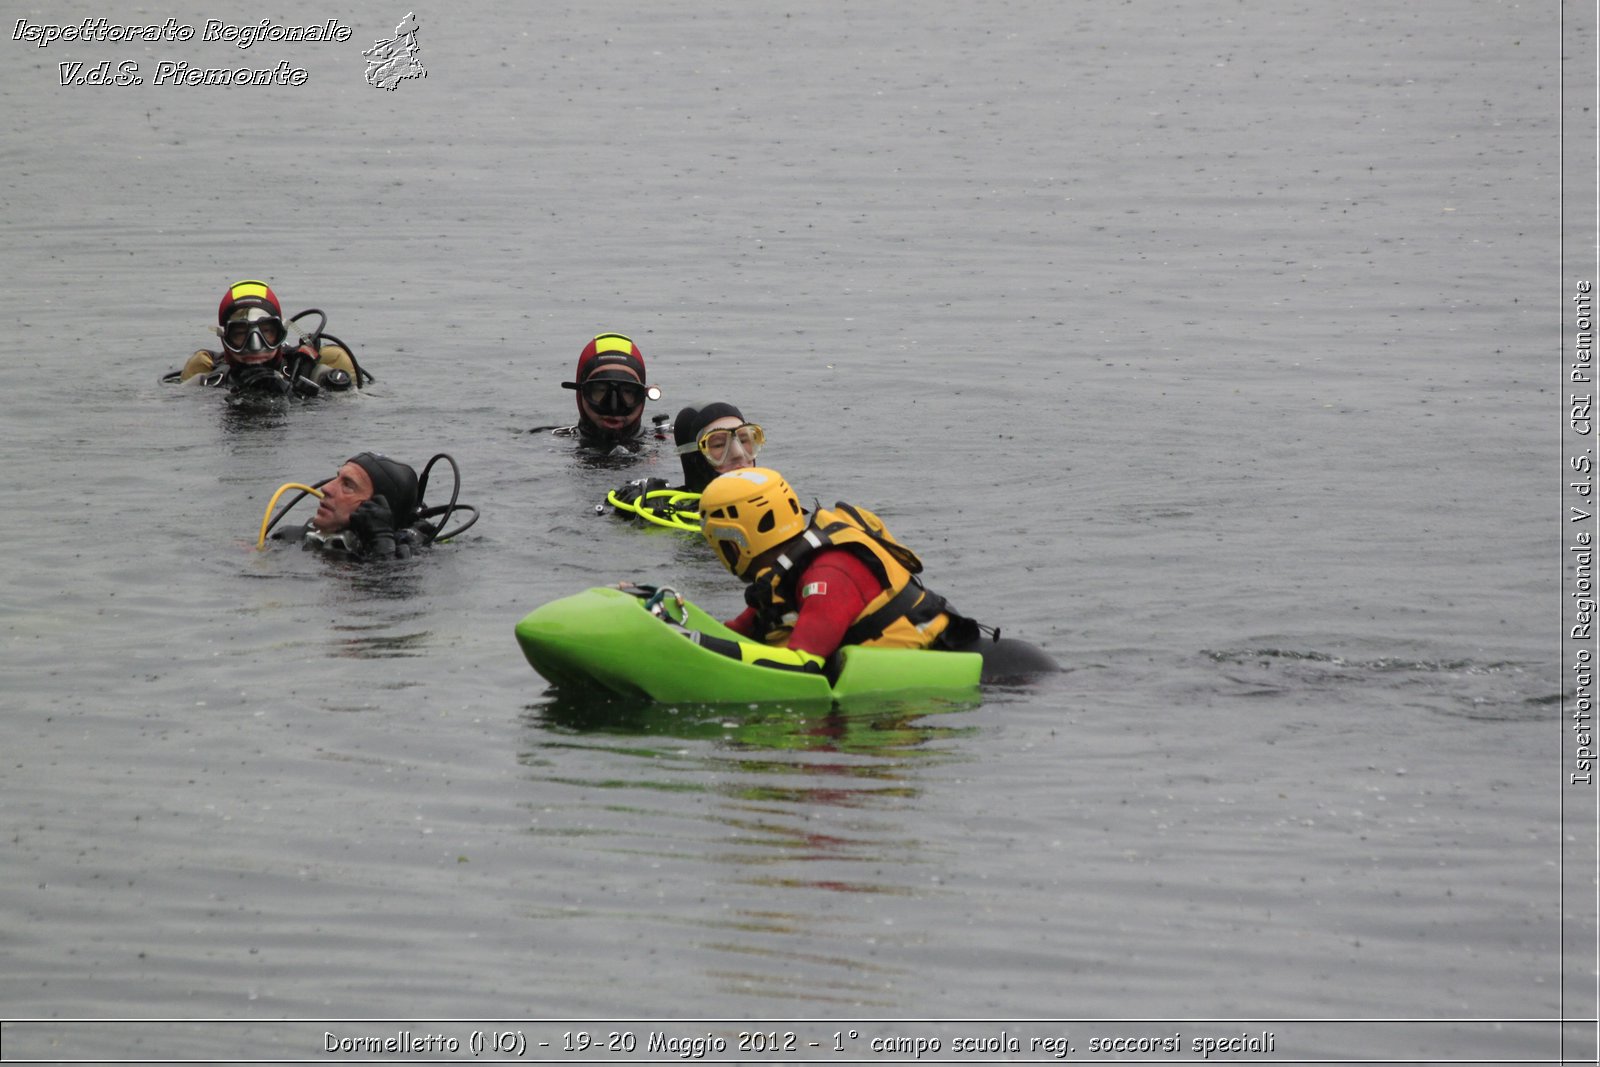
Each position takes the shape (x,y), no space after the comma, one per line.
(914,603)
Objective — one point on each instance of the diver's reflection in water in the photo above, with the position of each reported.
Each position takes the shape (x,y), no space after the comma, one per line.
(372,601)
(262,402)
(890,727)
(770,843)
(245,415)
(862,756)
(258,390)
(738,828)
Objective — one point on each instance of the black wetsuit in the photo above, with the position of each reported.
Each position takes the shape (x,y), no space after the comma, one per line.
(347,545)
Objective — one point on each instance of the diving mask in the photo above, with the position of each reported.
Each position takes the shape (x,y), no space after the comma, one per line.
(254,330)
(717,445)
(614,396)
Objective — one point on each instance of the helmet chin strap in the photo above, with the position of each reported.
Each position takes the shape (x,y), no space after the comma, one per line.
(776,557)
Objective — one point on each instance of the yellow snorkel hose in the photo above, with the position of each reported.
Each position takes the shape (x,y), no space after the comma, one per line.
(266,519)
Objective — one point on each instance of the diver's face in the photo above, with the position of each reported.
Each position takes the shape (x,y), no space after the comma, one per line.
(252,336)
(608,407)
(348,490)
(735,455)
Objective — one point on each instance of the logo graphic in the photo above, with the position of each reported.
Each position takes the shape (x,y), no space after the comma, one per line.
(391,62)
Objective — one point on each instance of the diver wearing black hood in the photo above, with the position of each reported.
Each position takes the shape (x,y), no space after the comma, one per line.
(369,510)
(710,439)
(686,430)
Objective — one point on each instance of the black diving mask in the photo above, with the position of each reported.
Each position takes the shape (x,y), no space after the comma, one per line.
(253,334)
(612,396)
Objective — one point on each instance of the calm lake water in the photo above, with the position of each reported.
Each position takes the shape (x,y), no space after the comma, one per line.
(1213,348)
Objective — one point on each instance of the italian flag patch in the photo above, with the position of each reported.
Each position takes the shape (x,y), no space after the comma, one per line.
(813,589)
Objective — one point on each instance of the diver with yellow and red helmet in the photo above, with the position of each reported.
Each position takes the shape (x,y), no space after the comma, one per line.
(264,354)
(612,389)
(832,578)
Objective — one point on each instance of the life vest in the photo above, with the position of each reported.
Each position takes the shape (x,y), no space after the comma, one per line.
(905,615)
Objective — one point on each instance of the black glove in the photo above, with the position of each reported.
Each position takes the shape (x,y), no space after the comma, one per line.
(263,380)
(635,490)
(373,523)
(762,592)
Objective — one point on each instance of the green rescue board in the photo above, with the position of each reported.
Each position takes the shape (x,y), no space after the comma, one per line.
(605,638)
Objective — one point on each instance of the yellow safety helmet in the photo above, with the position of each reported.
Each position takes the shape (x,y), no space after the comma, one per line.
(746,512)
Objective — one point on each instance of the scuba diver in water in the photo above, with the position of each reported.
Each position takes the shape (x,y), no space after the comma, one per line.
(371,509)
(711,439)
(612,390)
(264,355)
(836,578)
(714,439)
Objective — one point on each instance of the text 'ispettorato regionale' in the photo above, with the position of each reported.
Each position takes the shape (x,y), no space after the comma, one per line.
(102,30)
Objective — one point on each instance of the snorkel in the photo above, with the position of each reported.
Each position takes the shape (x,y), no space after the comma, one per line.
(267,519)
(406,503)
